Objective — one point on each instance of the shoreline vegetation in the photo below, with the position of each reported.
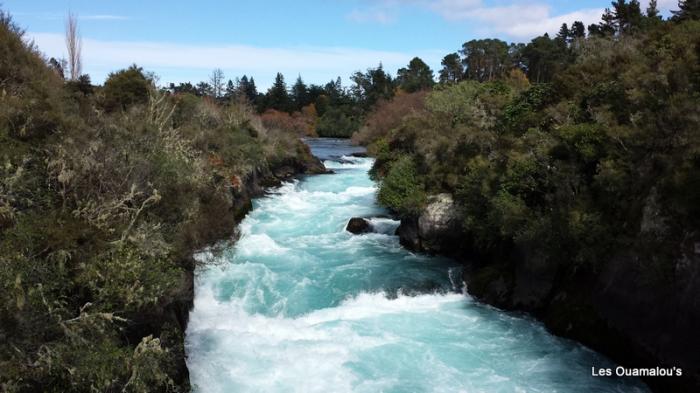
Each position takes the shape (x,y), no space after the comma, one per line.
(574,199)
(105,195)
(563,172)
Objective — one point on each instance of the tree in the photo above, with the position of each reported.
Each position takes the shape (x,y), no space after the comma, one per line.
(231,89)
(653,10)
(607,25)
(183,88)
(277,96)
(687,9)
(452,70)
(372,86)
(578,30)
(216,81)
(125,88)
(204,89)
(74,45)
(247,89)
(543,57)
(564,33)
(82,85)
(418,76)
(486,59)
(300,94)
(627,16)
(58,67)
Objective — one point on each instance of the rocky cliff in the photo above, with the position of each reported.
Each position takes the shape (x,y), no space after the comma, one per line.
(632,310)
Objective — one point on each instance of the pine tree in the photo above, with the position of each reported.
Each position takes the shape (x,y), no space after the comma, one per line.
(300,94)
(634,15)
(607,25)
(564,33)
(578,30)
(452,70)
(627,16)
(417,76)
(277,96)
(687,9)
(230,91)
(653,10)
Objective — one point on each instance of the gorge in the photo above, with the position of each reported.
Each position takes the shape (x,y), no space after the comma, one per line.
(301,305)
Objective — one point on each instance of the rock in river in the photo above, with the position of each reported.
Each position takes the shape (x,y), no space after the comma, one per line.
(358,225)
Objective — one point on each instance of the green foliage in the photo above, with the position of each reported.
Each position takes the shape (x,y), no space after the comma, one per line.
(525,111)
(125,88)
(402,189)
(603,157)
(100,214)
(337,123)
(452,70)
(418,76)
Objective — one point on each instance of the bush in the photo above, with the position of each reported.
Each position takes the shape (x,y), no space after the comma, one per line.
(126,88)
(337,123)
(388,115)
(402,189)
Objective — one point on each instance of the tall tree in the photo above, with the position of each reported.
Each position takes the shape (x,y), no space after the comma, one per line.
(204,89)
(607,26)
(543,57)
(74,45)
(417,76)
(564,33)
(687,9)
(231,89)
(247,89)
(300,94)
(627,16)
(452,70)
(372,86)
(277,96)
(485,59)
(653,10)
(216,81)
(578,30)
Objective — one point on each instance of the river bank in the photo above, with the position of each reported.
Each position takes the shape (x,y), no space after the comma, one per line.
(624,311)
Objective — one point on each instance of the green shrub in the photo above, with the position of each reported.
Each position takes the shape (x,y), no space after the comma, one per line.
(402,189)
(125,88)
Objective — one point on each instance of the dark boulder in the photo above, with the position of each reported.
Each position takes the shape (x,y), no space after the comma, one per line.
(408,234)
(358,225)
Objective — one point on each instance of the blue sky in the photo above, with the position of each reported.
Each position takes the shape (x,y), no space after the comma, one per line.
(185,40)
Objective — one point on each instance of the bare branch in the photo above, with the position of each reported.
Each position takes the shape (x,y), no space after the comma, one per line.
(74,44)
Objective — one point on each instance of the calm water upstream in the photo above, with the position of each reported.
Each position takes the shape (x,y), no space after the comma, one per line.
(300,305)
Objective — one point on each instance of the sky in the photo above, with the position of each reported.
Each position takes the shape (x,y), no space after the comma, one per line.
(320,40)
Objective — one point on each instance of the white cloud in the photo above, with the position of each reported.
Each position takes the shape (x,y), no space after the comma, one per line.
(517,21)
(528,21)
(378,15)
(513,19)
(179,62)
(454,9)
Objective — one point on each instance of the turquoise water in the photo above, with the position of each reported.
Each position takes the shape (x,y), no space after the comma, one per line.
(300,305)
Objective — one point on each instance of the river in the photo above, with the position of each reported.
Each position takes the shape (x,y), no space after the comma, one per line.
(301,305)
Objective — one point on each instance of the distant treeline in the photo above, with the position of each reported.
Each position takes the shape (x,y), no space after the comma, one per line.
(337,110)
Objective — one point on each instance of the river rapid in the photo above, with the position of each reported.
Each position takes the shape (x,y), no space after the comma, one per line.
(300,305)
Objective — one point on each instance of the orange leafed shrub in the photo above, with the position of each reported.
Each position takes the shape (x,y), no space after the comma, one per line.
(389,115)
(301,123)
